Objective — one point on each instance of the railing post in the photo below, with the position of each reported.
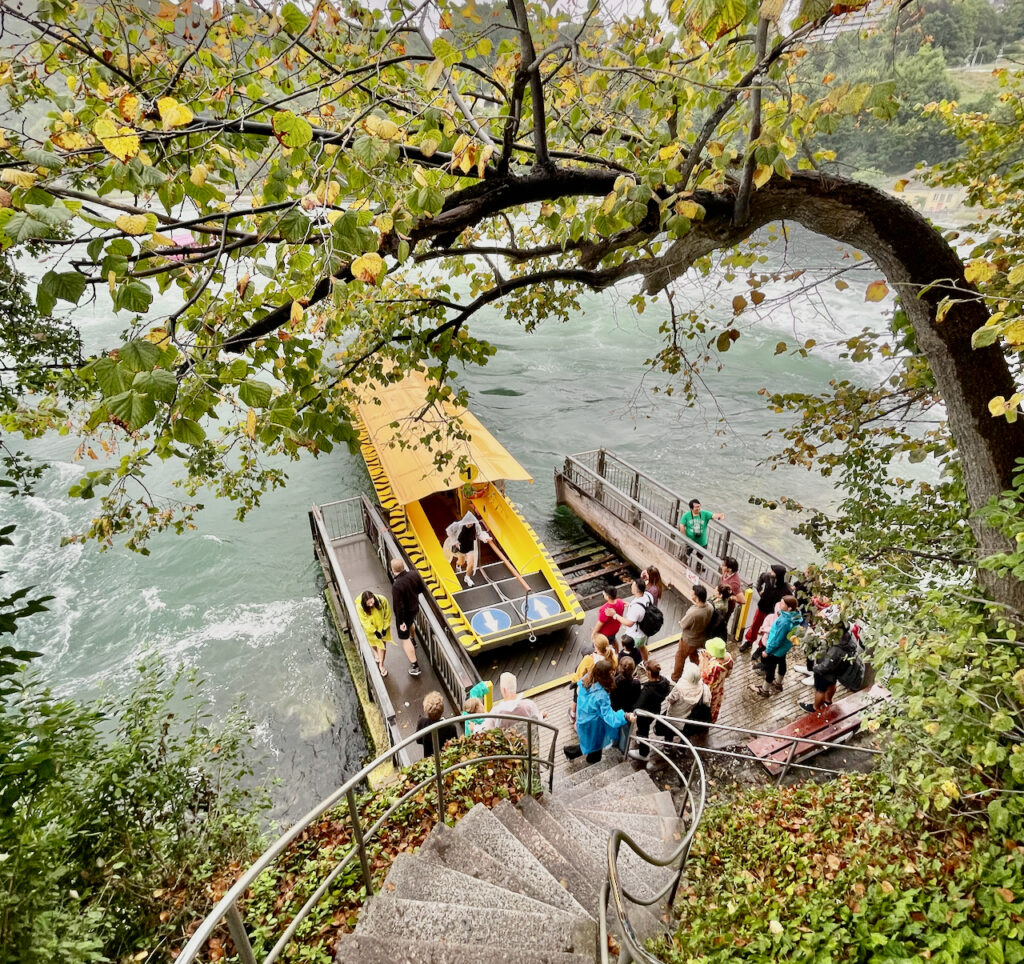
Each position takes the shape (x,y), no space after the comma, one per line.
(357,832)
(438,778)
(529,758)
(236,928)
(785,766)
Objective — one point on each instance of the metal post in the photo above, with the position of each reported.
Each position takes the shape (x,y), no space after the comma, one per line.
(438,778)
(529,758)
(357,831)
(236,928)
(785,766)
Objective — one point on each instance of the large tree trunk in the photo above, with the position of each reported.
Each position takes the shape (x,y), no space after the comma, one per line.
(913,255)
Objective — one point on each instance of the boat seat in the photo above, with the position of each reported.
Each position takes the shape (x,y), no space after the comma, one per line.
(496,612)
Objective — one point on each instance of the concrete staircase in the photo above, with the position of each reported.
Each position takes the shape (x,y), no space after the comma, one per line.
(520,884)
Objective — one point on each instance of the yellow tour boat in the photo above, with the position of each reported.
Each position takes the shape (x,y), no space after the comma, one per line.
(491,576)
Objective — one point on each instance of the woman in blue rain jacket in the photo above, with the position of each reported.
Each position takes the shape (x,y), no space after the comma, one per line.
(596,722)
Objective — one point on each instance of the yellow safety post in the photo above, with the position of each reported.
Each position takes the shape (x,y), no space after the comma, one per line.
(742,621)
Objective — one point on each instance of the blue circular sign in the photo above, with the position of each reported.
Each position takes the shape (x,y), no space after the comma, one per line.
(490,621)
(542,606)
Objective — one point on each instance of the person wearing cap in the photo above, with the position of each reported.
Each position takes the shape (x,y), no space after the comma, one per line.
(715,667)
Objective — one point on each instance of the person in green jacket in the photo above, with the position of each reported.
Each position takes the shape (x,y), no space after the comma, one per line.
(694,524)
(375,615)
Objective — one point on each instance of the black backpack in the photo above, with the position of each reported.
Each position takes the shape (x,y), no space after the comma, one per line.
(652,620)
(718,625)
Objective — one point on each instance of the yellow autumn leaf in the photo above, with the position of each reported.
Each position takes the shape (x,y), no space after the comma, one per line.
(133,224)
(199,175)
(762,175)
(1016,275)
(382,127)
(900,185)
(128,107)
(119,141)
(609,202)
(112,280)
(296,313)
(876,291)
(690,209)
(250,423)
(73,140)
(429,146)
(158,336)
(433,73)
(715,149)
(668,152)
(1014,332)
(483,156)
(841,285)
(979,271)
(6,73)
(172,113)
(384,223)
(22,179)
(368,268)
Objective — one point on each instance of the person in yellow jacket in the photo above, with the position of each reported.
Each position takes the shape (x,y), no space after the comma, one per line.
(375,615)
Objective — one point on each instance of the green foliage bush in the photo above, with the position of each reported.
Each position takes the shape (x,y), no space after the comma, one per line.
(114,816)
(845,871)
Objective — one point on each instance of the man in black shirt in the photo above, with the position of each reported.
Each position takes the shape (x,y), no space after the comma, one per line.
(405,595)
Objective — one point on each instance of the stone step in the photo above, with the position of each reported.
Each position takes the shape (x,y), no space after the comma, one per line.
(649,824)
(419,878)
(561,838)
(657,803)
(635,784)
(358,949)
(424,920)
(579,768)
(585,889)
(597,780)
(482,828)
(444,846)
(640,878)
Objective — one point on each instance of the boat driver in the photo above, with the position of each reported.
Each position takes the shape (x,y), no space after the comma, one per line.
(463,542)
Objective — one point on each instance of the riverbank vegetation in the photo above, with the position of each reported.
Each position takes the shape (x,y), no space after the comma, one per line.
(116,816)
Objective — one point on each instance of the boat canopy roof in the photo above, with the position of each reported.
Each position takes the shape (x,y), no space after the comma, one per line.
(391,415)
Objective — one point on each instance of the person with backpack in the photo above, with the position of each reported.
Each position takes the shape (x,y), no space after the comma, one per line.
(652,695)
(693,627)
(771,587)
(642,618)
(841,663)
(722,607)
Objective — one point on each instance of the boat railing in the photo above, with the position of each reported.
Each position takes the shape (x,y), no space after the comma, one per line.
(684,758)
(348,510)
(451,663)
(654,510)
(228,909)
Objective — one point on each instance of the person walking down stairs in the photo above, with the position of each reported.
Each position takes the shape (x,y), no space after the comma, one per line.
(521,884)
(597,724)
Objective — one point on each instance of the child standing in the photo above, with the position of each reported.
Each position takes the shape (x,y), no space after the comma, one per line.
(778,645)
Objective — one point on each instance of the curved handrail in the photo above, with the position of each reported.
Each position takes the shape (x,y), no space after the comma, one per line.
(613,886)
(226,908)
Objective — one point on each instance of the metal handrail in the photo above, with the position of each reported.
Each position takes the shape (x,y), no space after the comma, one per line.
(730,538)
(630,945)
(632,948)
(227,907)
(373,679)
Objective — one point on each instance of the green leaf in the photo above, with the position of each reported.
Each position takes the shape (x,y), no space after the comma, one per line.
(294,226)
(294,20)
(22,227)
(158,382)
(133,296)
(63,285)
(188,432)
(445,52)
(254,394)
(291,130)
(135,408)
(110,376)
(41,158)
(983,337)
(139,355)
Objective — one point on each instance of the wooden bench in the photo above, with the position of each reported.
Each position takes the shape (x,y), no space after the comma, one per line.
(832,725)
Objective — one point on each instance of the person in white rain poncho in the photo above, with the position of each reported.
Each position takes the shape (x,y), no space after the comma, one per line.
(463,543)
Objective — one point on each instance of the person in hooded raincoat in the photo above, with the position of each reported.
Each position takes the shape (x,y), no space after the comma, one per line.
(597,724)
